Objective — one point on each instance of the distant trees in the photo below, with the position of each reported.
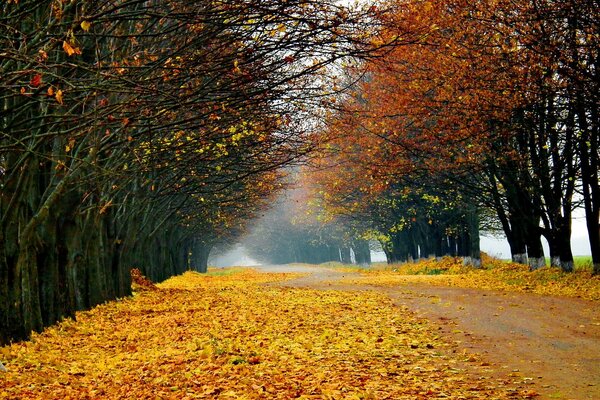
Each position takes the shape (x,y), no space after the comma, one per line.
(140,133)
(290,232)
(412,219)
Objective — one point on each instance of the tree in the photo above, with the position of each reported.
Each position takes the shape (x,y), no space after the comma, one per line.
(482,90)
(119,117)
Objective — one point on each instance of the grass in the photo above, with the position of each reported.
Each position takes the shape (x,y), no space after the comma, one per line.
(583,263)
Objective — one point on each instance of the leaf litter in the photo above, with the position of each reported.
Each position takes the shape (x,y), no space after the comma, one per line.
(496,275)
(230,336)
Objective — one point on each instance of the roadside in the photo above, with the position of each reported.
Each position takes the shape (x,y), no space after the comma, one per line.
(551,343)
(225,335)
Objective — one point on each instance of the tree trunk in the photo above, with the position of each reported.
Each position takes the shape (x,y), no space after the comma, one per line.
(535,251)
(362,252)
(559,242)
(200,256)
(516,240)
(410,238)
(345,255)
(472,254)
(453,245)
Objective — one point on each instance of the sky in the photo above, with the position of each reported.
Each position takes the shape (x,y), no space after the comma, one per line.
(580,245)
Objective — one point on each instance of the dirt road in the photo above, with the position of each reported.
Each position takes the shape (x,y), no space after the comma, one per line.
(551,342)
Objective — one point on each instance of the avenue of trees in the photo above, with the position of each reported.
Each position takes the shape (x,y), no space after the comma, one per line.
(140,133)
(487,118)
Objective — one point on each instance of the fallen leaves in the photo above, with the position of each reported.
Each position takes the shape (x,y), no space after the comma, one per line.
(497,275)
(139,282)
(228,336)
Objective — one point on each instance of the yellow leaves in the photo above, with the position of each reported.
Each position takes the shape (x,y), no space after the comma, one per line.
(496,275)
(58,96)
(236,66)
(86,25)
(60,165)
(70,145)
(226,335)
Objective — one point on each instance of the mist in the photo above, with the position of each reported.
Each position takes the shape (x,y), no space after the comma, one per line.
(237,256)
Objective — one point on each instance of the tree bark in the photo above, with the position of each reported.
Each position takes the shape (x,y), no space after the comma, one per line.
(362,252)
(345,255)
(200,255)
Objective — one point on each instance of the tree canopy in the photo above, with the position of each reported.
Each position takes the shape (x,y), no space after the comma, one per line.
(143,133)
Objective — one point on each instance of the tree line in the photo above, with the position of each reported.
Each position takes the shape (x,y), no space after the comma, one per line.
(485,114)
(141,133)
(290,231)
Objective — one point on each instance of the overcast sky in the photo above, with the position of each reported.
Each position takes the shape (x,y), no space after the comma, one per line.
(498,247)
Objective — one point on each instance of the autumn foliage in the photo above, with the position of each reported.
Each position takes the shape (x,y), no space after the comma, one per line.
(497,275)
(143,133)
(139,282)
(482,107)
(229,336)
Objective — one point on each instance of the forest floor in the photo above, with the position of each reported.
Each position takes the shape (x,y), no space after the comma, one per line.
(305,332)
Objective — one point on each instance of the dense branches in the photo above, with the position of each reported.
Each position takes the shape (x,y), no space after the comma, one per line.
(139,133)
(495,98)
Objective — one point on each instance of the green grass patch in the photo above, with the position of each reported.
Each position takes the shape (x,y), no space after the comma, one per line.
(346,267)
(583,263)
(434,271)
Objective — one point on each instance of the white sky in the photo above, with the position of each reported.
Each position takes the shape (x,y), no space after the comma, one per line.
(580,245)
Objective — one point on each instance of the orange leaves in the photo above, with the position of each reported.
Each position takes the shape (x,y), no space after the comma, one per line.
(70,49)
(425,107)
(37,82)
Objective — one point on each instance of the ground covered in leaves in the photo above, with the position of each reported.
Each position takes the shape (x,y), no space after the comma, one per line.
(495,275)
(229,336)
